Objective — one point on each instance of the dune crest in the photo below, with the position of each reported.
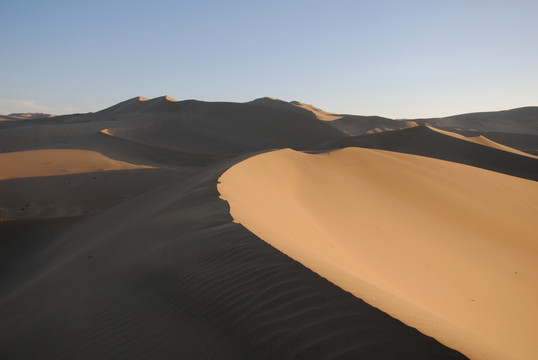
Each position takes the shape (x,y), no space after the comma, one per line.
(166,97)
(482,140)
(447,248)
(320,114)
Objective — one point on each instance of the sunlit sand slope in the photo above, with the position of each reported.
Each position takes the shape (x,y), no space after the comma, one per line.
(428,141)
(447,248)
(168,275)
(35,163)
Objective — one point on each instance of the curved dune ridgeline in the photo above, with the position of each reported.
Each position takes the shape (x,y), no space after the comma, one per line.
(169,275)
(447,248)
(117,240)
(427,141)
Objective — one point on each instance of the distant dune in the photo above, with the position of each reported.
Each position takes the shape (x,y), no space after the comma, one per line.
(415,241)
(40,163)
(24,116)
(226,128)
(66,182)
(515,121)
(435,143)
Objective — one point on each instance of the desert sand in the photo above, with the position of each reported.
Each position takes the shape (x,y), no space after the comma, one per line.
(115,242)
(482,140)
(447,248)
(39,163)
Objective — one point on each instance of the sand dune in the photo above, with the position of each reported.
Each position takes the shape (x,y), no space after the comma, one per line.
(447,248)
(40,163)
(517,121)
(229,129)
(319,113)
(482,140)
(25,116)
(528,143)
(75,194)
(431,142)
(296,106)
(115,244)
(521,120)
(169,275)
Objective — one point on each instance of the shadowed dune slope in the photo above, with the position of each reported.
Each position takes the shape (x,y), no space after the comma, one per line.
(482,140)
(357,125)
(296,106)
(521,120)
(168,275)
(159,270)
(190,127)
(69,182)
(76,194)
(229,128)
(348,124)
(527,143)
(518,121)
(425,141)
(447,248)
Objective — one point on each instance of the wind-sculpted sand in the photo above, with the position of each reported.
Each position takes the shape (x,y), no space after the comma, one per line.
(169,275)
(447,248)
(483,141)
(115,243)
(38,163)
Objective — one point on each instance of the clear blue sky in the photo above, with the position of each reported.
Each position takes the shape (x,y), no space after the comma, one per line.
(400,59)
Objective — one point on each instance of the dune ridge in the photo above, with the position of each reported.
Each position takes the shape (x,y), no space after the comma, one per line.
(444,145)
(122,248)
(353,216)
(482,140)
(169,275)
(319,113)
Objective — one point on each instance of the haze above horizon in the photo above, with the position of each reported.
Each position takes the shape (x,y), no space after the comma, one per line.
(389,58)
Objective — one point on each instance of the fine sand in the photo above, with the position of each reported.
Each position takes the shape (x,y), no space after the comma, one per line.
(444,145)
(482,140)
(169,275)
(115,243)
(447,248)
(38,163)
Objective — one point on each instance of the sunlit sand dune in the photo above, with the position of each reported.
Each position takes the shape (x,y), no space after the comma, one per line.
(483,141)
(37,163)
(447,248)
(69,182)
(115,243)
(440,144)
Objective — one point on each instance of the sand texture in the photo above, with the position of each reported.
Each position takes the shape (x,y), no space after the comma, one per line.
(430,142)
(115,242)
(448,248)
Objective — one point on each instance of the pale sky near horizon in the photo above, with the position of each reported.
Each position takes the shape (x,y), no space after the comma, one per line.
(399,59)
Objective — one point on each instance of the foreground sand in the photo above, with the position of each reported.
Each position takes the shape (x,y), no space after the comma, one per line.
(168,275)
(114,243)
(447,248)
